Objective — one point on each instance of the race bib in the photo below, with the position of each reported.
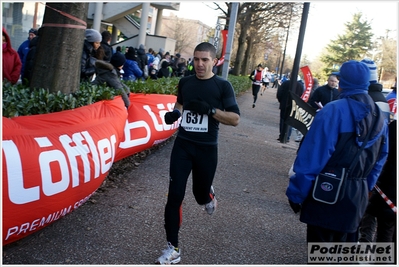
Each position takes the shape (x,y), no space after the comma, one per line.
(194,122)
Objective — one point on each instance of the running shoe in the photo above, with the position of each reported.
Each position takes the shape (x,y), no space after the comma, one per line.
(169,256)
(211,206)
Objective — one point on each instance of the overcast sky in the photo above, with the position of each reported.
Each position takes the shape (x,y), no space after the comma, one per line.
(326,20)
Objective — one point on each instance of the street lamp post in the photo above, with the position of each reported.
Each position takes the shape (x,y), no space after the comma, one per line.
(285,46)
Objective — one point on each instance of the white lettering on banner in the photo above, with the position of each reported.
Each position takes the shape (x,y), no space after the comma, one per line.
(82,201)
(308,90)
(107,153)
(129,126)
(41,222)
(162,112)
(73,151)
(128,142)
(16,191)
(301,115)
(94,153)
(74,147)
(160,141)
(45,159)
(161,107)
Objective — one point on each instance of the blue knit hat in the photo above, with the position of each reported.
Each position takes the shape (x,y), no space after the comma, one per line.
(373,69)
(354,75)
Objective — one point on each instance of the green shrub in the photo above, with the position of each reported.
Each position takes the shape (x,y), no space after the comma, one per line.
(239,83)
(21,101)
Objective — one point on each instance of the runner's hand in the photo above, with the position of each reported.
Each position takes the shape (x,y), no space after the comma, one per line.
(199,106)
(171,117)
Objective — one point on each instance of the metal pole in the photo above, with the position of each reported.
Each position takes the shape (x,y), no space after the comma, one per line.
(295,68)
(230,38)
(278,63)
(297,60)
(285,47)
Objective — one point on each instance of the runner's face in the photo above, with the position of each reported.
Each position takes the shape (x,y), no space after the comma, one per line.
(203,64)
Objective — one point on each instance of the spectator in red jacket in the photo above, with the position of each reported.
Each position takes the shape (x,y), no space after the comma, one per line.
(11,62)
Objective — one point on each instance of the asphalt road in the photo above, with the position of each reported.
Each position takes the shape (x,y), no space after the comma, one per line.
(122,224)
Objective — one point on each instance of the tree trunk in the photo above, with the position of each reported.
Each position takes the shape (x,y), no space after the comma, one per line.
(248,59)
(60,46)
(240,49)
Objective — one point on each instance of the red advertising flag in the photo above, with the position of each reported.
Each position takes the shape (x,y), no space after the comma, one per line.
(392,105)
(224,35)
(307,76)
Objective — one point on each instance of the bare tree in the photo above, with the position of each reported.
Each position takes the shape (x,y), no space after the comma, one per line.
(187,33)
(180,30)
(60,46)
(258,23)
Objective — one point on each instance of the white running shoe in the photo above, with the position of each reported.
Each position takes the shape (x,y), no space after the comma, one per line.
(169,256)
(211,206)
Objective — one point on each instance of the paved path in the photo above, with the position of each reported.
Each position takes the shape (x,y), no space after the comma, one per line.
(124,225)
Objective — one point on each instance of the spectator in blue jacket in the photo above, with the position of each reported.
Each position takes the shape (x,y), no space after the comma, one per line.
(131,69)
(330,145)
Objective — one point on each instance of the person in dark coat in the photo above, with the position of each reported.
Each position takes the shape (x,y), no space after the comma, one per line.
(91,44)
(386,217)
(142,59)
(190,69)
(109,74)
(368,225)
(23,49)
(326,93)
(105,44)
(375,88)
(283,96)
(164,70)
(30,59)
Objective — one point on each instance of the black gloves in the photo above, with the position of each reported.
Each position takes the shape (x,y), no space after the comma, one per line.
(171,117)
(199,106)
(295,206)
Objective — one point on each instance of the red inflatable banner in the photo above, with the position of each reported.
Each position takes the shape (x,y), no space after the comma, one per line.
(53,163)
(145,126)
